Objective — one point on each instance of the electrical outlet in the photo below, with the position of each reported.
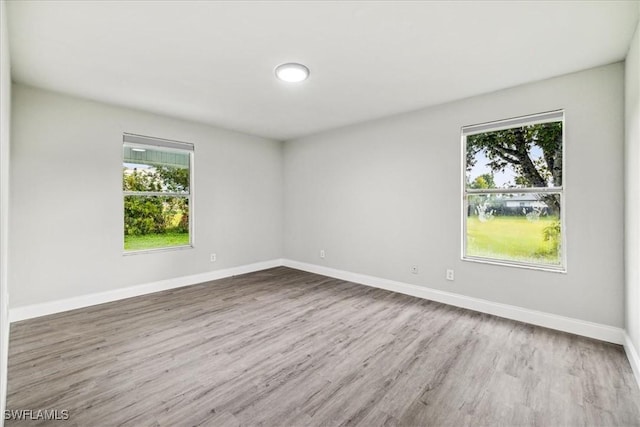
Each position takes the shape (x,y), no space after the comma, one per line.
(213,258)
(321,253)
(414,269)
(449,274)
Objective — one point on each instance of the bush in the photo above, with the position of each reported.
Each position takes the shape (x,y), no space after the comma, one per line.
(143,215)
(155,214)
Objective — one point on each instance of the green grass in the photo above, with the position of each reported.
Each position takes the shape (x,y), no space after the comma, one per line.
(511,238)
(155,241)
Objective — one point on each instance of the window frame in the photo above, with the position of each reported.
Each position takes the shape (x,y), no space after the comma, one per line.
(160,144)
(513,122)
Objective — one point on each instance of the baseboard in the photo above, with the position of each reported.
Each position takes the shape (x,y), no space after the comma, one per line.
(552,321)
(36,310)
(632,355)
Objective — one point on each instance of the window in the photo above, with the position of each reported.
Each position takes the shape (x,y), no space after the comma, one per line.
(513,194)
(157,192)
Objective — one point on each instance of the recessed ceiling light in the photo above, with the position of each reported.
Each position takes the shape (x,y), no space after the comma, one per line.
(139,150)
(292,72)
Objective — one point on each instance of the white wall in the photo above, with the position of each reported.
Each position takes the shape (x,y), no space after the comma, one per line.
(632,196)
(5,116)
(66,198)
(385,195)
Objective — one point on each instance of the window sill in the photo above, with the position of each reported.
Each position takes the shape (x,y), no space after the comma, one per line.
(549,268)
(151,251)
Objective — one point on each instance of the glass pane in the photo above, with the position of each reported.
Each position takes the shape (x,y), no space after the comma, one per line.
(515,227)
(520,157)
(147,169)
(152,222)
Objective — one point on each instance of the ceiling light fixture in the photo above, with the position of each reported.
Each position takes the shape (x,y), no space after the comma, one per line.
(292,72)
(139,150)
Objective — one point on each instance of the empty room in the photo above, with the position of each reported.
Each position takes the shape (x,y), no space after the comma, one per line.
(319,213)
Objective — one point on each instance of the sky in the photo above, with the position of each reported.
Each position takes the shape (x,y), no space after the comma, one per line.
(502,179)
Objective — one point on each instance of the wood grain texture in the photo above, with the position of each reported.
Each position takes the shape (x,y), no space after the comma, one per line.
(285,347)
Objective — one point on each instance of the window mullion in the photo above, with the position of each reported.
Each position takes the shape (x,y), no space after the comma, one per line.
(527,190)
(155,193)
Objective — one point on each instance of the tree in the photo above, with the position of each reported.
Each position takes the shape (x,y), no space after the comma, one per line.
(142,214)
(512,147)
(483,181)
(176,180)
(156,214)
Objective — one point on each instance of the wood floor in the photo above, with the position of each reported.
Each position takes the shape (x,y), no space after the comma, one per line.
(283,347)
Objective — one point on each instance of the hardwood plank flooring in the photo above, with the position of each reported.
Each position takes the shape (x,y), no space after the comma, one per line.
(283,347)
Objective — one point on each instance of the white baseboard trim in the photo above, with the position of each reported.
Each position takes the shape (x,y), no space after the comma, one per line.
(547,320)
(552,321)
(36,310)
(632,355)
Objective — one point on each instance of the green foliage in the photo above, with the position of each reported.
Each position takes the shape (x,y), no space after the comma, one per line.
(512,147)
(175,180)
(183,223)
(143,215)
(156,214)
(552,234)
(140,180)
(483,181)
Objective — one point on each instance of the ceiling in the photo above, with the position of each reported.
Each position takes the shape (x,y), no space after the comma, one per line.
(213,62)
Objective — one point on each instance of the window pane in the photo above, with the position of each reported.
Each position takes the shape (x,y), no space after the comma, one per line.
(148,169)
(152,222)
(521,157)
(515,227)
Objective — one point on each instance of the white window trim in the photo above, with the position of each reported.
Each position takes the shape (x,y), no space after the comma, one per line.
(141,141)
(546,117)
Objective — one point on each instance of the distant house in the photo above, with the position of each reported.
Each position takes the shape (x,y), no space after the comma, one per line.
(525,201)
(516,205)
